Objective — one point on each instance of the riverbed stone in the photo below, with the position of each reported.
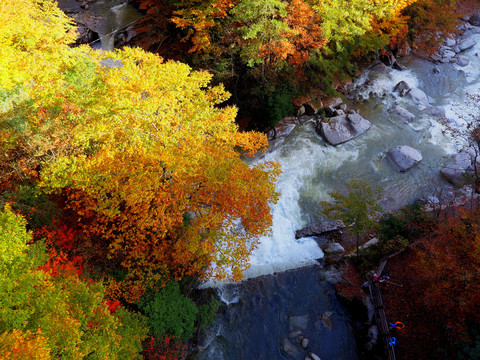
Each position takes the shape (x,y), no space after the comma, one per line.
(305,342)
(403,113)
(332,102)
(314,356)
(340,129)
(462,60)
(402,88)
(320,228)
(418,97)
(332,248)
(456,168)
(450,41)
(466,44)
(288,348)
(435,111)
(298,322)
(404,157)
(475,19)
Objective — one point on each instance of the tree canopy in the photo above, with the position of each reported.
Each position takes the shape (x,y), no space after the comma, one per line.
(148,159)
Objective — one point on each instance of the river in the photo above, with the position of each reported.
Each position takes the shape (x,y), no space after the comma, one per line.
(255,321)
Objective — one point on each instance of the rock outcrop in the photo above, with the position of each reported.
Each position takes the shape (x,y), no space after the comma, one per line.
(458,168)
(320,228)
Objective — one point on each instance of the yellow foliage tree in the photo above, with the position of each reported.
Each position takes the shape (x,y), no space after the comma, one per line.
(150,162)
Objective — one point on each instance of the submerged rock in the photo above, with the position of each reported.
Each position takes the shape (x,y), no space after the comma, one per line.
(436,111)
(298,322)
(404,157)
(327,322)
(340,129)
(288,348)
(461,60)
(403,113)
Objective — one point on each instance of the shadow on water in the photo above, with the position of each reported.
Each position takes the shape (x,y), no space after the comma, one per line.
(263,318)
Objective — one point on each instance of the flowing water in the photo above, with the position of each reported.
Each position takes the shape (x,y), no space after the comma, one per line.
(105,17)
(256,319)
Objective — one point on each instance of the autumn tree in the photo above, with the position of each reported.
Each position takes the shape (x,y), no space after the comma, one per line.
(357,209)
(44,316)
(146,157)
(450,263)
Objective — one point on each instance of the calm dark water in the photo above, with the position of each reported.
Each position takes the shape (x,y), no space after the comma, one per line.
(257,321)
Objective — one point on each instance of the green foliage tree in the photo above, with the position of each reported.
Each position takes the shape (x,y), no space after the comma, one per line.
(61,313)
(169,312)
(357,209)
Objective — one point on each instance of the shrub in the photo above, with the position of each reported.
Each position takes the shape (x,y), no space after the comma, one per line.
(169,312)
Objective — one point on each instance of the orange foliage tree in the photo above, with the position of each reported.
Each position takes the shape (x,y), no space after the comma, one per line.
(450,262)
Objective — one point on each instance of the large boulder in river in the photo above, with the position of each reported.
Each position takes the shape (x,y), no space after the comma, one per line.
(320,228)
(466,44)
(418,97)
(404,157)
(456,170)
(340,129)
(402,88)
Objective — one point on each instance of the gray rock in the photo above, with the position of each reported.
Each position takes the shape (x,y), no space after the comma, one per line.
(404,157)
(343,128)
(381,67)
(305,342)
(332,248)
(332,102)
(418,97)
(314,356)
(301,110)
(403,113)
(339,112)
(462,60)
(456,169)
(298,322)
(436,111)
(371,242)
(475,19)
(466,44)
(450,42)
(447,53)
(319,228)
(295,334)
(288,348)
(402,88)
(333,275)
(456,49)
